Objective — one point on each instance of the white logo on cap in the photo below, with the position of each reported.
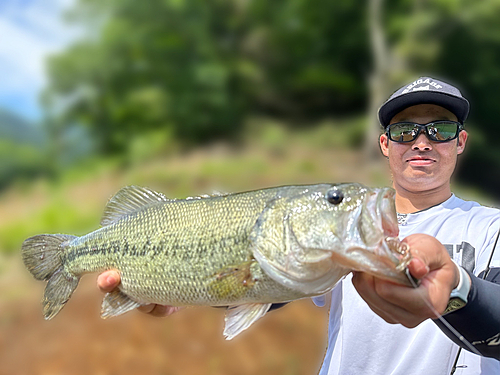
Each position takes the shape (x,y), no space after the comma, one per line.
(414,86)
(421,88)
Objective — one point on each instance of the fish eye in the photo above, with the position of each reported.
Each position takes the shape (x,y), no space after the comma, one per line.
(335,196)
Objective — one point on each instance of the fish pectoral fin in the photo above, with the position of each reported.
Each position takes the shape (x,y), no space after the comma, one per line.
(239,318)
(116,303)
(128,200)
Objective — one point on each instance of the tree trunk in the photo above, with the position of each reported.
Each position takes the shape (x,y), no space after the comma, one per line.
(378,80)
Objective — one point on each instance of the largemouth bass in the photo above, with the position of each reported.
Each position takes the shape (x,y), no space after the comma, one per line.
(244,250)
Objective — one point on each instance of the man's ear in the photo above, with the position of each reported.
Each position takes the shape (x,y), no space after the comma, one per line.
(384,144)
(462,140)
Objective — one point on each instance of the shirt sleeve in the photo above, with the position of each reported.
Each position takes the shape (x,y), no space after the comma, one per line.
(479,320)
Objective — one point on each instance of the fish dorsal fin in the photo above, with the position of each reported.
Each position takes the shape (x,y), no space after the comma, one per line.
(128,200)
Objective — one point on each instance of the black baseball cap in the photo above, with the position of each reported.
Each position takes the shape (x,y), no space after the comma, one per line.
(425,90)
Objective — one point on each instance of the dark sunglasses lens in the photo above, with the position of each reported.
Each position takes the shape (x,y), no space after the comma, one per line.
(403,132)
(442,132)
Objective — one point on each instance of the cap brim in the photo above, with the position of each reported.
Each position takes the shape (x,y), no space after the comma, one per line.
(456,105)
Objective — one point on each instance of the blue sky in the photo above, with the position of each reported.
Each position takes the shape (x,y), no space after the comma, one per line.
(30,30)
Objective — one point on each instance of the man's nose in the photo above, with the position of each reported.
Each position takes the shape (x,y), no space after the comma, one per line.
(422,143)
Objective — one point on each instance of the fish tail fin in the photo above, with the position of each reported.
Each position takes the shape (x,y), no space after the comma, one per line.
(42,256)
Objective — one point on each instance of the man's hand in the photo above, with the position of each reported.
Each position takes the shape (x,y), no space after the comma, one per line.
(437,273)
(109,280)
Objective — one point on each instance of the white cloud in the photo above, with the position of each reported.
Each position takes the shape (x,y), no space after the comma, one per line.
(30,30)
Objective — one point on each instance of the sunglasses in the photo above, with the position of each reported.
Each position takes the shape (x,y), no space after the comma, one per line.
(437,131)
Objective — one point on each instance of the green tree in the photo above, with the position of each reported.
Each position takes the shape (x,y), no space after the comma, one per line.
(200,66)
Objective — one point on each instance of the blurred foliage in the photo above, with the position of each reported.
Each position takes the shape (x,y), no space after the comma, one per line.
(193,71)
(19,161)
(55,216)
(22,149)
(199,67)
(156,77)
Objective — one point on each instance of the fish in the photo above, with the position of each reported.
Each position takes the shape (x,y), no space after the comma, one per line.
(245,251)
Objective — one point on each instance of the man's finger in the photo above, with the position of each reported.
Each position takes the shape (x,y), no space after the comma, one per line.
(418,268)
(369,288)
(428,250)
(107,281)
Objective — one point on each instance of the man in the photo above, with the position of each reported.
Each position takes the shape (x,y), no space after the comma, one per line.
(451,241)
(422,160)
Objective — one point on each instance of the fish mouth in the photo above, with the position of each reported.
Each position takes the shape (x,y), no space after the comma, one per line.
(386,210)
(382,216)
(385,255)
(391,246)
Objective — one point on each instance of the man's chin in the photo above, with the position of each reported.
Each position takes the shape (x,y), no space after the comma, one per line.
(419,182)
(416,171)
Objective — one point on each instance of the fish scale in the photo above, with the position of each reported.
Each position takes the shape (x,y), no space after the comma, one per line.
(244,250)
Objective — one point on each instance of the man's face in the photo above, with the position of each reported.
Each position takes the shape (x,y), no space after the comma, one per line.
(422,165)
